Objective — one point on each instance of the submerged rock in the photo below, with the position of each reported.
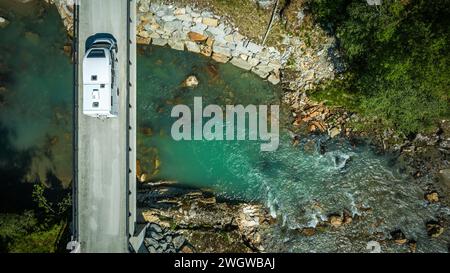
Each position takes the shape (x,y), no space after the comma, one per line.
(310,146)
(3,22)
(143,177)
(147,131)
(191,81)
(67,49)
(212,22)
(32,37)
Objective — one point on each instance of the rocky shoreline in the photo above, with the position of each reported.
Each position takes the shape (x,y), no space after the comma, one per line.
(164,23)
(205,33)
(187,220)
(192,220)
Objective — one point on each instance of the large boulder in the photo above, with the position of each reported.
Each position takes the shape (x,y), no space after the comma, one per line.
(335,220)
(212,22)
(176,44)
(274,78)
(239,62)
(432,197)
(262,70)
(197,37)
(220,58)
(334,132)
(159,42)
(191,81)
(192,47)
(222,50)
(3,22)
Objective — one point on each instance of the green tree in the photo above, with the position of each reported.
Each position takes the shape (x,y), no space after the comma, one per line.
(398,55)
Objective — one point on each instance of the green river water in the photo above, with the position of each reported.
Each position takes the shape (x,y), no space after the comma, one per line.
(300,185)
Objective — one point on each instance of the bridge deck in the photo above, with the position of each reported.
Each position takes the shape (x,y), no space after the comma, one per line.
(103,180)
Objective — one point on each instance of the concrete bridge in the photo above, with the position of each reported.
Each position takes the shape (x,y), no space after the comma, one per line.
(104,190)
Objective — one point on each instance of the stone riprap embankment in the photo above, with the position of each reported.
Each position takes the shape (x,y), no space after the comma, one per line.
(201,31)
(183,28)
(65,9)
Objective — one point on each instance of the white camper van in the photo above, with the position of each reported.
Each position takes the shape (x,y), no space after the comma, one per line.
(100,89)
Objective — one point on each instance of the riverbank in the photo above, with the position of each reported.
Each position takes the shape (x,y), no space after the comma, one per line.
(187,220)
(207,29)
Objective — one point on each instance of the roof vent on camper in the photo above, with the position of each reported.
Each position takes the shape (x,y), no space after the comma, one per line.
(95,104)
(93,77)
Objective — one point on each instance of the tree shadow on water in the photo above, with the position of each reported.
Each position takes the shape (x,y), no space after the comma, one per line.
(15,193)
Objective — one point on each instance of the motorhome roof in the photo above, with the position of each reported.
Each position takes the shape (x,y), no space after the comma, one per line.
(96,67)
(97,98)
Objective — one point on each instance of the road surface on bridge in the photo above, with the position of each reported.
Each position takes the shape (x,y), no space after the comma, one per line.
(102,153)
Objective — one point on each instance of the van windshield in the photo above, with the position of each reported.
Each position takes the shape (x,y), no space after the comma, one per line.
(101,45)
(96,53)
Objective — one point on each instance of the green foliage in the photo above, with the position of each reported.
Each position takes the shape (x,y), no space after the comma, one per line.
(14,225)
(23,233)
(44,241)
(35,231)
(399,58)
(336,93)
(54,210)
(329,12)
